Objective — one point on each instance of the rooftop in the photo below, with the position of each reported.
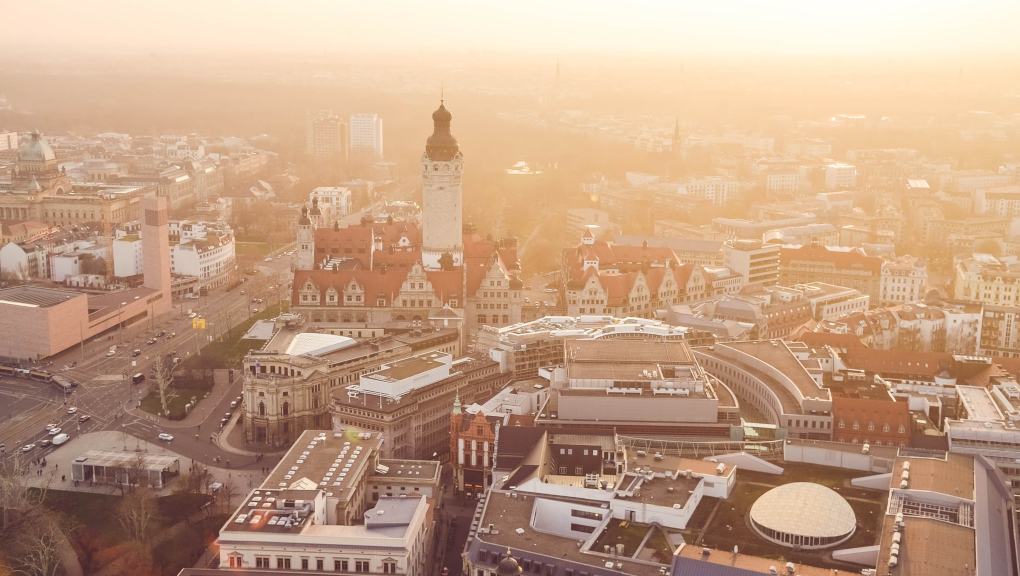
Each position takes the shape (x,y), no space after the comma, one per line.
(35,296)
(325,460)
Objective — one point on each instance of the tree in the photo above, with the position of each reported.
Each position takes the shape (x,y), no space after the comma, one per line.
(227,493)
(164,384)
(36,548)
(195,481)
(136,514)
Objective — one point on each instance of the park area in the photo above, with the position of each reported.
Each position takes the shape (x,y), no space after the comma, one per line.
(179,530)
(723,524)
(193,378)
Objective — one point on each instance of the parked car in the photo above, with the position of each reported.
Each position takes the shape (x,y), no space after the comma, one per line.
(51,426)
(166,437)
(233,404)
(171,335)
(160,334)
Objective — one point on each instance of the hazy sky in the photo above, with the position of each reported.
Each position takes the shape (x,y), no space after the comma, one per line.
(705,26)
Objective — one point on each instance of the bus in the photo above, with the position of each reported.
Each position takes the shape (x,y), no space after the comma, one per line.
(40,376)
(137,378)
(6,370)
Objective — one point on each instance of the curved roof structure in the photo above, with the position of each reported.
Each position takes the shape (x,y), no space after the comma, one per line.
(316,344)
(805,509)
(35,149)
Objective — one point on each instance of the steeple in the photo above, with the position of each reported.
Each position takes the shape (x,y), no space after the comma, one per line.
(456,405)
(441,145)
(676,130)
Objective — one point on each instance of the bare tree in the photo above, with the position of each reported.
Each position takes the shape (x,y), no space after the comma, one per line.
(36,548)
(136,514)
(194,482)
(23,272)
(227,492)
(164,384)
(15,499)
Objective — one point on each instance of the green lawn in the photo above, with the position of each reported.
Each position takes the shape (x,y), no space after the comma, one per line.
(659,547)
(152,404)
(730,527)
(621,531)
(229,351)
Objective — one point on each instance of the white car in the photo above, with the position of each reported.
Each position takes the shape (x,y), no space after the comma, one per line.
(166,437)
(54,431)
(72,410)
(268,259)
(50,426)
(28,447)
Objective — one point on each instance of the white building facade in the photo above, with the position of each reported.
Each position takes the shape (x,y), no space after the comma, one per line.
(366,136)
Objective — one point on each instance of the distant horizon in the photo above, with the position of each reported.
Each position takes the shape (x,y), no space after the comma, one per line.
(642,27)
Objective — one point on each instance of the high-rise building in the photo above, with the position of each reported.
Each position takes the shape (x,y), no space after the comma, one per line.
(329,145)
(366,137)
(442,167)
(310,119)
(156,252)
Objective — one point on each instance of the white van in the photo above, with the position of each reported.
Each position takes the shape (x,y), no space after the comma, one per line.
(60,439)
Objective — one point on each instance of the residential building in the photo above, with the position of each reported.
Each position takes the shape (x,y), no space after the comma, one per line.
(841,266)
(580,219)
(1000,331)
(8,140)
(840,175)
(366,138)
(903,280)
(987,279)
(329,146)
(755,261)
(311,117)
(333,201)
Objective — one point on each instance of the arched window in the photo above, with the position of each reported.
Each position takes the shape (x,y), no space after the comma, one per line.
(842,424)
(901,429)
(262,408)
(871,426)
(286,408)
(885,427)
(857,425)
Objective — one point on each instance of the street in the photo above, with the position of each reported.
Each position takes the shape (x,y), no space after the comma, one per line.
(106,394)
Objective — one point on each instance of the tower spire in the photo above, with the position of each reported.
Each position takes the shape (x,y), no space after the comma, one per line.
(442,92)
(456,403)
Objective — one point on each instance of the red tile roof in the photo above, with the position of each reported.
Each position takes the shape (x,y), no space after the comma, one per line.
(854,259)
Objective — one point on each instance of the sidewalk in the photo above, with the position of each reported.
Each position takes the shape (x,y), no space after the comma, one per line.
(231,436)
(58,464)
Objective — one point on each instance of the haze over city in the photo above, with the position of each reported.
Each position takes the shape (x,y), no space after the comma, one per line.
(478,289)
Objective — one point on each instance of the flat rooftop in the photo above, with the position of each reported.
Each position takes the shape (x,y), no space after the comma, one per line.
(786,400)
(929,546)
(408,367)
(424,470)
(979,403)
(320,460)
(36,296)
(953,475)
(690,560)
(510,514)
(109,302)
(629,352)
(781,358)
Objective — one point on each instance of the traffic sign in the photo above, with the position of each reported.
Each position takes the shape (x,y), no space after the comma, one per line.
(198,323)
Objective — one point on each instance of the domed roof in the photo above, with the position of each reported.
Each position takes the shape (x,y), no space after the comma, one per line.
(35,149)
(508,566)
(441,145)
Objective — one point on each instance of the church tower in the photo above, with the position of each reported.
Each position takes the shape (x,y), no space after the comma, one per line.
(305,242)
(442,194)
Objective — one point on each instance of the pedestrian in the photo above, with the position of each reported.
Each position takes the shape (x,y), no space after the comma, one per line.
(63,478)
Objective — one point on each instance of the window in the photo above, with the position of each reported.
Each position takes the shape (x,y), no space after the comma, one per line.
(857,425)
(283,563)
(842,424)
(340,565)
(304,563)
(262,561)
(361,565)
(586,514)
(901,429)
(563,470)
(871,426)
(578,471)
(389,567)
(319,563)
(582,528)
(885,427)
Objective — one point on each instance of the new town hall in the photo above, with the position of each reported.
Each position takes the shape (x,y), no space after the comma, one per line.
(383,272)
